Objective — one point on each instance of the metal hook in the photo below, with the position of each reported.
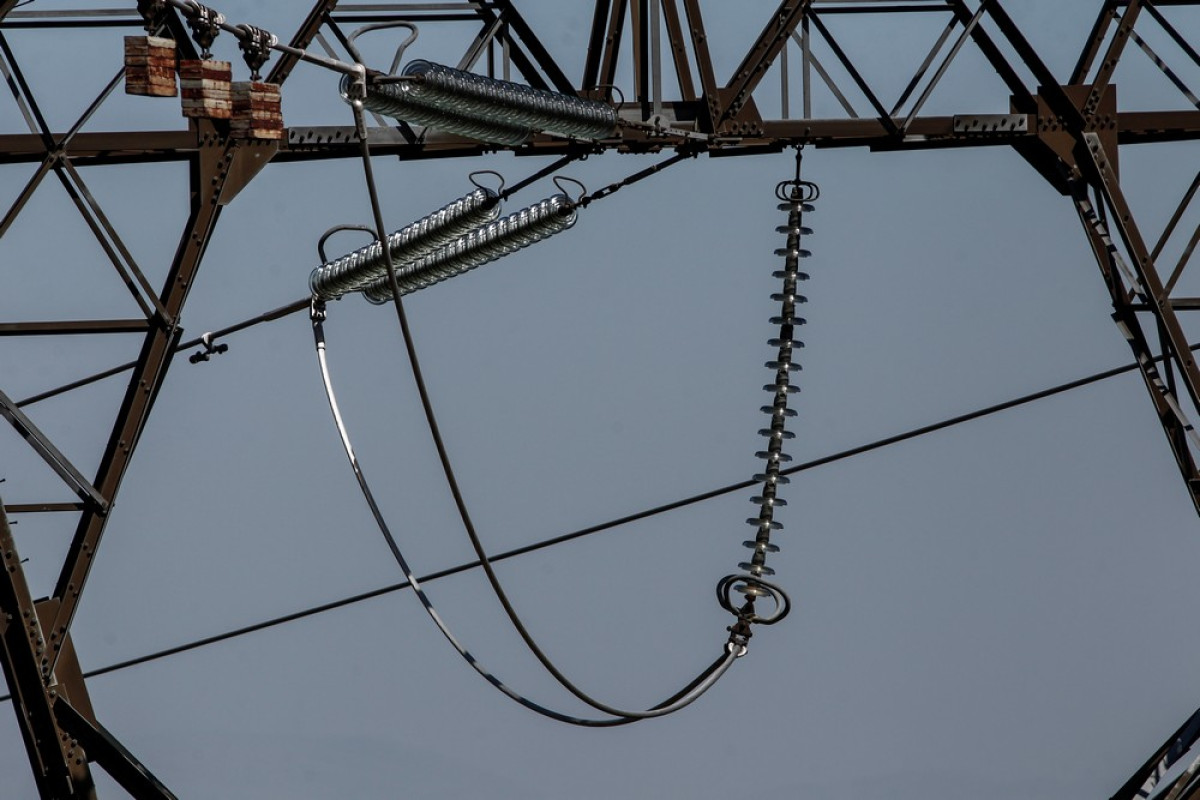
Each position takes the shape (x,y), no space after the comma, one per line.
(559,180)
(498,190)
(335,229)
(614,88)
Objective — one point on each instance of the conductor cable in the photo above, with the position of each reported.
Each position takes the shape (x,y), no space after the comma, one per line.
(679,700)
(703,682)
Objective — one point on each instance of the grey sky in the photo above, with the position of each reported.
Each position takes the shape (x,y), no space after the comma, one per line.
(995,611)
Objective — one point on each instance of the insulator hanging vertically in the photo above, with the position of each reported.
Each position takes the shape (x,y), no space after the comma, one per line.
(478,107)
(794,196)
(480,246)
(359,269)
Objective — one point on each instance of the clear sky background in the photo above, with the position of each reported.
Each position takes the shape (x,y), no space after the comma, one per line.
(998,610)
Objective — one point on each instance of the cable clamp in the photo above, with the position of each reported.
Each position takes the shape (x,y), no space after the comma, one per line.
(255,44)
(209,350)
(739,637)
(154,14)
(356,87)
(206,26)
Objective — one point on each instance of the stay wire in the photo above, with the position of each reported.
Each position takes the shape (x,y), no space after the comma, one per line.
(608,525)
(701,684)
(653,169)
(549,169)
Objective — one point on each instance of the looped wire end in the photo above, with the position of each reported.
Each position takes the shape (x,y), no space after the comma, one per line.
(613,88)
(797,190)
(559,180)
(338,229)
(499,190)
(403,46)
(753,588)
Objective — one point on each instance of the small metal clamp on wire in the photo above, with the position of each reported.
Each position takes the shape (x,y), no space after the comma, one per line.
(316,310)
(209,350)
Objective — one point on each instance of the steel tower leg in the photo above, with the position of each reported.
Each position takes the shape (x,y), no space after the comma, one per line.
(60,766)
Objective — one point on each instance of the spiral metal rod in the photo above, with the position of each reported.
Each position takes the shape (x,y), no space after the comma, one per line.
(487,109)
(478,247)
(361,268)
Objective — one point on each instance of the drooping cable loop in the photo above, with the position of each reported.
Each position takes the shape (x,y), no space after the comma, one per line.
(694,689)
(796,197)
(685,697)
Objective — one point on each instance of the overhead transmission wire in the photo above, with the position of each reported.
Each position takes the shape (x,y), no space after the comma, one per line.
(733,649)
(684,697)
(617,522)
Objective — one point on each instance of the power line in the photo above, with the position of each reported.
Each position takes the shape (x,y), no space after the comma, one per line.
(618,522)
(269,316)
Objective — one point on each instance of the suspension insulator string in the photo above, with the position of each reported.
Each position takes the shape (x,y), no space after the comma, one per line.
(355,271)
(706,679)
(796,197)
(459,238)
(478,247)
(482,108)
